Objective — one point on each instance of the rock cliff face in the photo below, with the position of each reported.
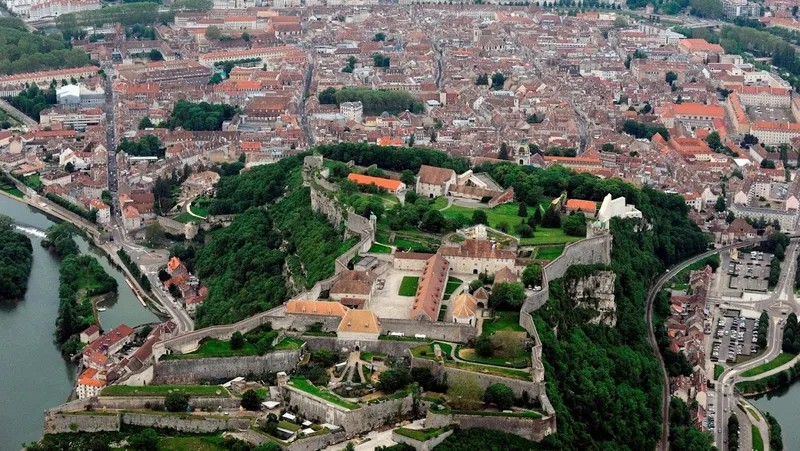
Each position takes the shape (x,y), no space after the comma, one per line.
(595,292)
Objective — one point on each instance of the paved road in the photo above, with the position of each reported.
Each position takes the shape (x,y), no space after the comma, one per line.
(651,296)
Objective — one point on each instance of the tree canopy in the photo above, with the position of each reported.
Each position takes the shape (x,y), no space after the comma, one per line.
(202,116)
(22,51)
(16,260)
(375,101)
(146,146)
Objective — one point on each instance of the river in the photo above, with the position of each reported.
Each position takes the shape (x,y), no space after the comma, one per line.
(784,405)
(34,375)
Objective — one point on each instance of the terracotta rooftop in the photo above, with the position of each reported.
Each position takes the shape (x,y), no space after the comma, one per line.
(316,307)
(432,175)
(360,321)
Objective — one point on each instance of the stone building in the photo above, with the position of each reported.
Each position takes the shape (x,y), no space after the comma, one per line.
(434,182)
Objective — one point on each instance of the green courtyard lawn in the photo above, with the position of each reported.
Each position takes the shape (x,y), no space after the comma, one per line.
(506,213)
(408,287)
(33,181)
(549,252)
(549,236)
(452,285)
(289,343)
(502,321)
(483,369)
(442,313)
(216,348)
(378,248)
(523,360)
(301,383)
(407,240)
(163,390)
(199,207)
(369,356)
(772,364)
(185,218)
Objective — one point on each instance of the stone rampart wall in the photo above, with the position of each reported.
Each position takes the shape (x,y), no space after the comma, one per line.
(535,429)
(147,402)
(186,423)
(193,371)
(354,422)
(458,333)
(60,422)
(589,251)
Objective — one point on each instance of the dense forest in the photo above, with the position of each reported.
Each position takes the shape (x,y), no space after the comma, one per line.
(375,102)
(81,277)
(199,116)
(243,263)
(16,259)
(22,51)
(258,186)
(605,382)
(33,101)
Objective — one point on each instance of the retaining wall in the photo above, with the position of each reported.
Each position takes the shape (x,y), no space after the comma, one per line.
(534,389)
(458,333)
(354,422)
(60,422)
(585,252)
(426,445)
(146,402)
(193,371)
(186,423)
(535,429)
(390,347)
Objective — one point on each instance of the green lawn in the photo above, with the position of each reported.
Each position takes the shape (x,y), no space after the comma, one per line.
(426,351)
(163,390)
(408,287)
(378,248)
(758,440)
(15,192)
(502,321)
(548,236)
(187,444)
(408,240)
(477,368)
(421,434)
(772,364)
(506,213)
(216,348)
(199,206)
(523,360)
(186,218)
(753,413)
(368,356)
(289,426)
(549,253)
(289,343)
(301,383)
(33,181)
(718,369)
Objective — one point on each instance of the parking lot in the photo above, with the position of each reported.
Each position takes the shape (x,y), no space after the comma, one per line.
(734,336)
(749,272)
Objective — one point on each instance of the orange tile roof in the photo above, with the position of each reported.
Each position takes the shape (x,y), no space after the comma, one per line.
(430,289)
(363,321)
(697,109)
(315,307)
(700,45)
(583,205)
(465,306)
(390,185)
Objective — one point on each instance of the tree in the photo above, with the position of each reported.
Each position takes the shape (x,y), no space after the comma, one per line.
(251,400)
(767,164)
(500,395)
(551,219)
(145,440)
(503,154)
(730,218)
(483,346)
(720,204)
(350,446)
(237,340)
(532,275)
(575,225)
(498,81)
(69,167)
(433,221)
(246,37)
(215,79)
(213,33)
(713,141)
(479,217)
(537,216)
(155,55)
(522,211)
(506,344)
(392,380)
(608,147)
(146,123)
(482,80)
(154,233)
(176,402)
(464,392)
(408,178)
(507,296)
(671,77)
(379,37)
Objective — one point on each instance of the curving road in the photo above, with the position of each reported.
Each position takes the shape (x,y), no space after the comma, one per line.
(651,296)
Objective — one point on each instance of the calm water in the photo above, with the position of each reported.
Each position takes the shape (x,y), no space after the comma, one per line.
(33,375)
(784,405)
